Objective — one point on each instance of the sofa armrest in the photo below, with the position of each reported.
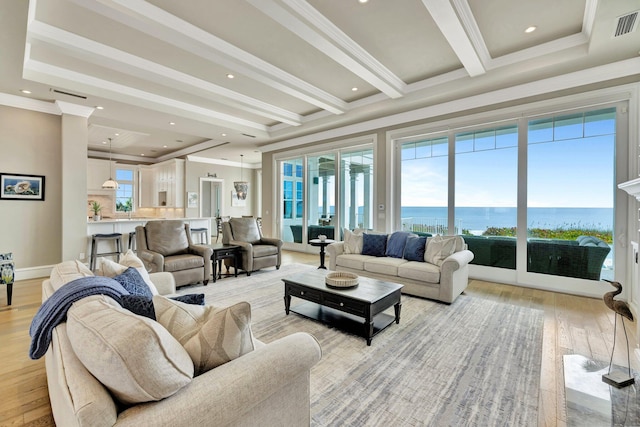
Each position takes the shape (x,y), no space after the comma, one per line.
(164,282)
(334,249)
(230,392)
(205,252)
(457,260)
(246,247)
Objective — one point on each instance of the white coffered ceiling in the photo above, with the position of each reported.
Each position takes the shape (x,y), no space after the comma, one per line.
(295,63)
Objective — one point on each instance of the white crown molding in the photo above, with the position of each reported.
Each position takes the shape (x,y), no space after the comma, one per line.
(143,16)
(598,74)
(74,109)
(221,162)
(445,17)
(471,26)
(589,19)
(332,42)
(25,103)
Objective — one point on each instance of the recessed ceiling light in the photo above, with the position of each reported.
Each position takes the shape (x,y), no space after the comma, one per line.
(530,29)
(354,89)
(164,146)
(104,142)
(142,154)
(230,76)
(99,107)
(25,91)
(172,123)
(117,134)
(363,1)
(223,134)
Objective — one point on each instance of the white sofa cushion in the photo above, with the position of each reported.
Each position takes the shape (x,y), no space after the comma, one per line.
(211,335)
(67,271)
(417,270)
(384,265)
(134,357)
(353,261)
(440,247)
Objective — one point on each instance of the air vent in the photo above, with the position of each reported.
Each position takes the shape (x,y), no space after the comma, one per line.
(68,93)
(626,24)
(250,136)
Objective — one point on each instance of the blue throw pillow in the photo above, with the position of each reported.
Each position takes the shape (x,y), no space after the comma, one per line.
(195,299)
(395,245)
(133,282)
(374,244)
(414,248)
(139,305)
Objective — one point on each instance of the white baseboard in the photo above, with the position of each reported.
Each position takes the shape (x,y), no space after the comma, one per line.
(33,272)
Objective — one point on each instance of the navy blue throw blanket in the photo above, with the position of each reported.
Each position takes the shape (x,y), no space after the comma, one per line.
(54,310)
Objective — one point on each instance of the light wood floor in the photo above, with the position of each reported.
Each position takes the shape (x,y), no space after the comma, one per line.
(573,325)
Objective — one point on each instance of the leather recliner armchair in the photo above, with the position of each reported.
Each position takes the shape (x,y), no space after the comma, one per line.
(167,246)
(257,251)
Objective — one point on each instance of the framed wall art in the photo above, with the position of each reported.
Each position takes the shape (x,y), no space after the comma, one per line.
(192,199)
(15,186)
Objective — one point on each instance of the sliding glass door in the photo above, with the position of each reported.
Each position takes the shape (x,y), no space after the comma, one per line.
(356,190)
(291,214)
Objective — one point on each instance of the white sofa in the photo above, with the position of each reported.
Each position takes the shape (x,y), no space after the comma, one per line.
(420,278)
(267,386)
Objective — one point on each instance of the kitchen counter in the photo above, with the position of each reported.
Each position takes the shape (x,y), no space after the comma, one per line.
(125,226)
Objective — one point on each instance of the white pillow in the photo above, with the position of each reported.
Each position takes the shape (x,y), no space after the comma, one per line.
(212,336)
(67,271)
(439,248)
(352,242)
(109,268)
(133,356)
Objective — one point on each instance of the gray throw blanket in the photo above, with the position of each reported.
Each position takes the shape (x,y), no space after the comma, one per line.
(54,310)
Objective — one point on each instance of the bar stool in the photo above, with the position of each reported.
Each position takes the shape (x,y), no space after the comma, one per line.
(96,238)
(202,233)
(132,241)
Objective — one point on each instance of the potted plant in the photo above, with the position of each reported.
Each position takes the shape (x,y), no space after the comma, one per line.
(96,208)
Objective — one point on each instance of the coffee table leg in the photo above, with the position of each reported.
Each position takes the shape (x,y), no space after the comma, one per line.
(397,309)
(369,330)
(287,302)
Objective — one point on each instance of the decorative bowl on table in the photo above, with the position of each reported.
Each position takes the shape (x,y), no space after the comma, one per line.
(341,279)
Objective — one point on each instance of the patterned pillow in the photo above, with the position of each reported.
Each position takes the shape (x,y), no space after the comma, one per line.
(134,357)
(133,282)
(352,242)
(68,271)
(439,248)
(109,268)
(395,245)
(212,336)
(414,248)
(374,244)
(143,305)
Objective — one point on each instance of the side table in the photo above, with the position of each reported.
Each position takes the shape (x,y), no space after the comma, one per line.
(323,244)
(223,251)
(7,273)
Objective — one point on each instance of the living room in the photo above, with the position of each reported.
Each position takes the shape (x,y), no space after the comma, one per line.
(578,70)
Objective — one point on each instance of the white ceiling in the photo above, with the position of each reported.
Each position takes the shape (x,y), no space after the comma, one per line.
(295,62)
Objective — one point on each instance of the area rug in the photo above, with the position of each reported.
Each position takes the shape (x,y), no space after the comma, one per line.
(472,363)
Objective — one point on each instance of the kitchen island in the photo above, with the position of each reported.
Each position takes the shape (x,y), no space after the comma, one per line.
(128,225)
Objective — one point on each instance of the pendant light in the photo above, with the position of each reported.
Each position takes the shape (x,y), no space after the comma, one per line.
(241,186)
(111,183)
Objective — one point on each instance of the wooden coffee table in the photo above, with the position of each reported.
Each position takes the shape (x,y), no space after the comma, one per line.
(358,310)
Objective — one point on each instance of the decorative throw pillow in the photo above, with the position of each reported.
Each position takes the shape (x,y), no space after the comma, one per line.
(374,244)
(395,245)
(414,248)
(109,268)
(138,304)
(439,248)
(133,282)
(66,272)
(196,299)
(352,242)
(212,336)
(134,357)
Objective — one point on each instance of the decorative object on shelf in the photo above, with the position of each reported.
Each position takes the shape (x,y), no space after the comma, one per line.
(341,279)
(618,379)
(111,183)
(241,186)
(7,273)
(96,208)
(322,237)
(21,187)
(192,199)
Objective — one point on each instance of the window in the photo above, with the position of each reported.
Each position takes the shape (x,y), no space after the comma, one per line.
(125,191)
(356,195)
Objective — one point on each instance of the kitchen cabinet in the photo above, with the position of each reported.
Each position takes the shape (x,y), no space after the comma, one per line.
(98,171)
(162,184)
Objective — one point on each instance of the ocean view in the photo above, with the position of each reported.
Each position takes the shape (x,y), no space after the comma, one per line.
(479,219)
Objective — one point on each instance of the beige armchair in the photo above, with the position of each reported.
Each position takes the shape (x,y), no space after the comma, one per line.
(166,246)
(257,251)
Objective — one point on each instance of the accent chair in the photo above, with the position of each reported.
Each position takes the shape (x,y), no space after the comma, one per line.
(257,251)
